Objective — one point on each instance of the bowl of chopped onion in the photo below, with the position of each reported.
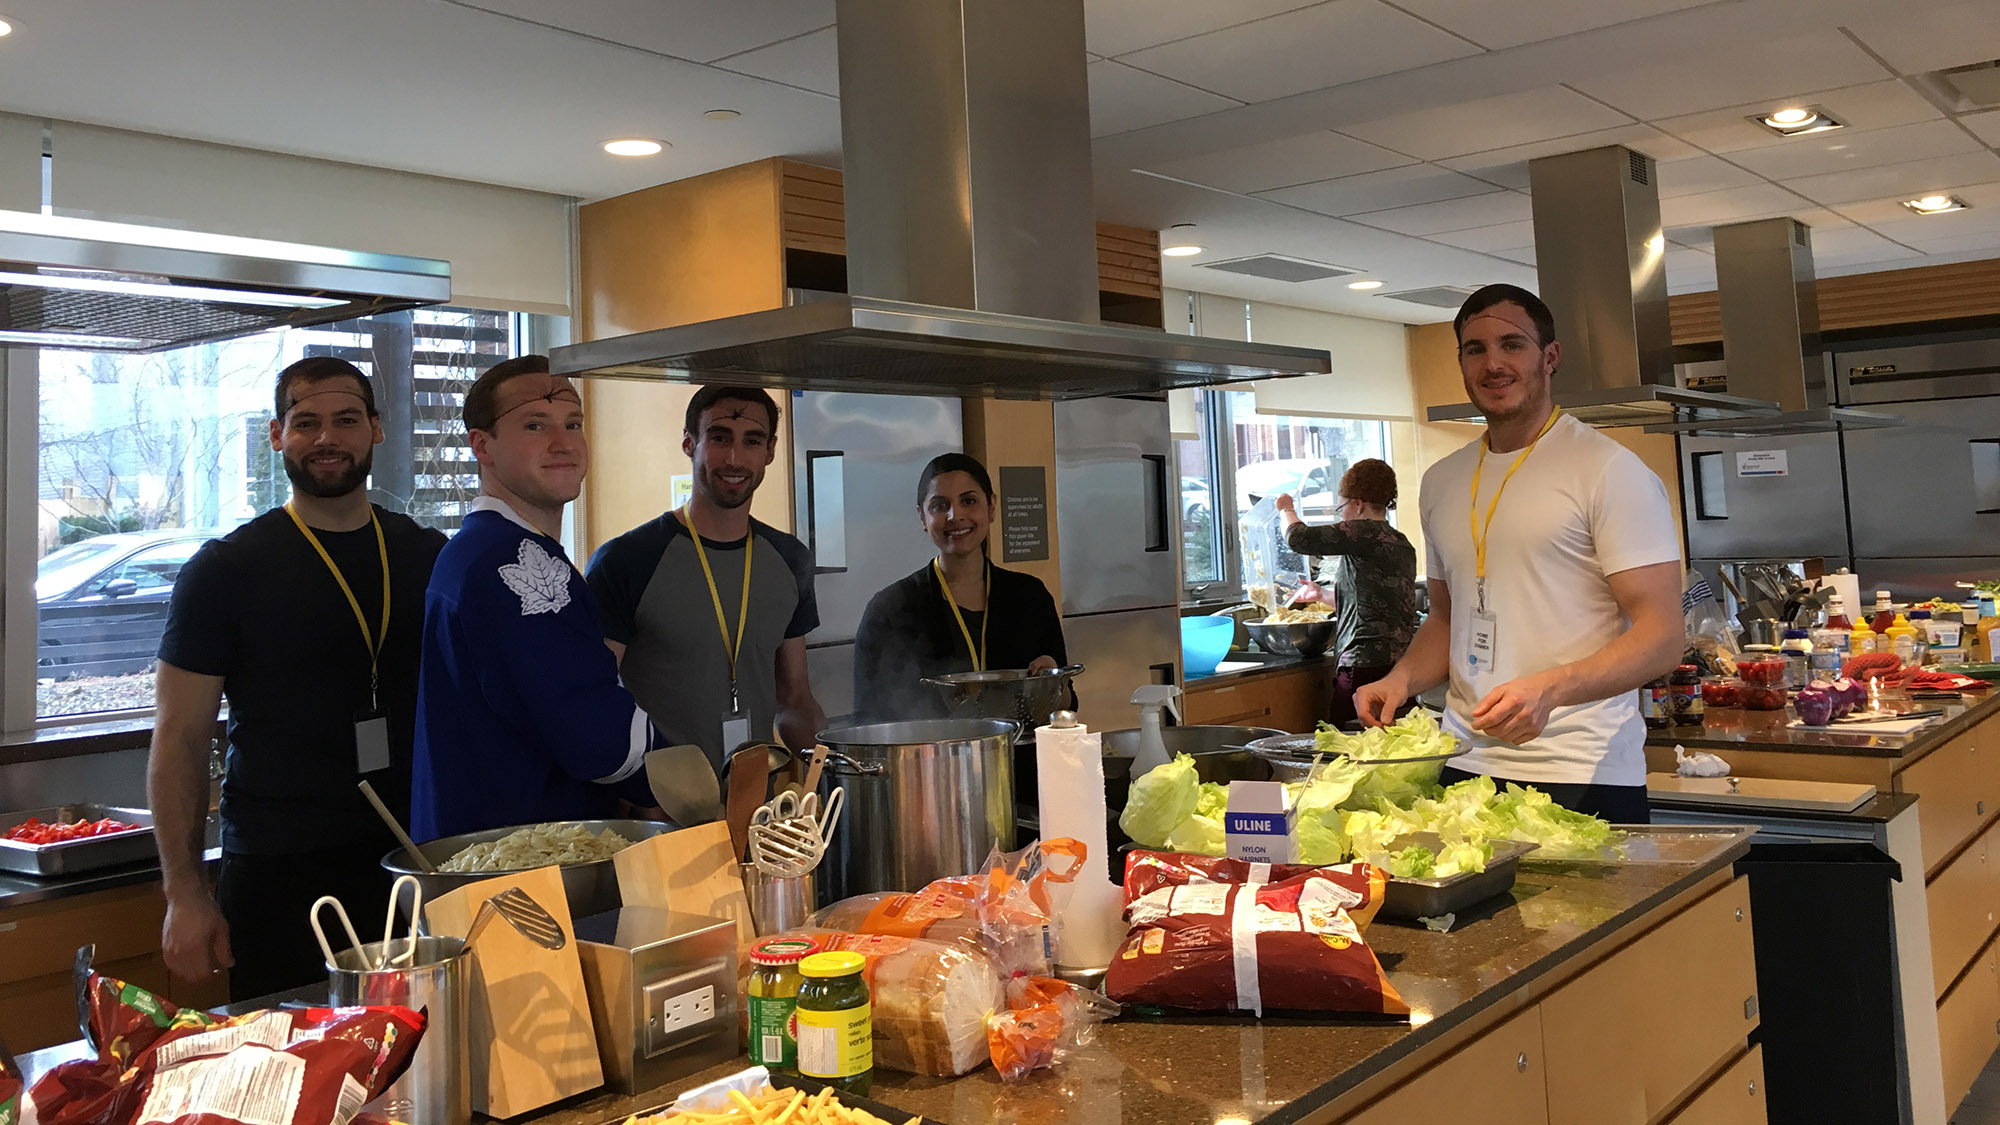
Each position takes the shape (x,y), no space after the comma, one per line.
(581,848)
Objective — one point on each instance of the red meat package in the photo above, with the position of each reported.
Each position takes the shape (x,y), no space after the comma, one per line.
(1210,934)
(286,1066)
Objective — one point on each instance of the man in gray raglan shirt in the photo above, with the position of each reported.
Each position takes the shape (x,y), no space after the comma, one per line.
(713,663)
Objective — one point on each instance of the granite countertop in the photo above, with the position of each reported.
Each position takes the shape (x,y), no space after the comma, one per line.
(1278,1069)
(1267,663)
(1732,728)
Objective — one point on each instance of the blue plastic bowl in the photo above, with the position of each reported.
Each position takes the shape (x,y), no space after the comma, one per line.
(1204,642)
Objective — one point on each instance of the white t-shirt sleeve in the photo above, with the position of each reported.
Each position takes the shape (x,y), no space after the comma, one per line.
(1633,521)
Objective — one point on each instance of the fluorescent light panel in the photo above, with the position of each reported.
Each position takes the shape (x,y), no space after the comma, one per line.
(76,340)
(86,284)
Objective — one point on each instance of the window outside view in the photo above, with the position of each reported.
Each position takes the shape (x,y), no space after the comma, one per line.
(143,458)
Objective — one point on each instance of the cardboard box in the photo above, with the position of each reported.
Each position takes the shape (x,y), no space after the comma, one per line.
(1260,824)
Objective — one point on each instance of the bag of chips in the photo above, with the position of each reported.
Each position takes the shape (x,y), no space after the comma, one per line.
(1211,934)
(160,1063)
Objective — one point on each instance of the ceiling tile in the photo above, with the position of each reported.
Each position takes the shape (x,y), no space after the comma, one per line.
(1920,37)
(1871,105)
(1958,243)
(1692,238)
(1848,150)
(1493,239)
(1702,174)
(811,62)
(1986,126)
(1376,191)
(1123,99)
(1852,243)
(1489,123)
(1302,159)
(1525,255)
(1453,214)
(1732,71)
(1508,167)
(1495,26)
(1329,44)
(1735,205)
(1689,271)
(701,30)
(1897,182)
(1113,27)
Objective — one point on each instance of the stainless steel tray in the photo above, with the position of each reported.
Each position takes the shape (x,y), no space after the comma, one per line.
(1428,898)
(1663,843)
(48,860)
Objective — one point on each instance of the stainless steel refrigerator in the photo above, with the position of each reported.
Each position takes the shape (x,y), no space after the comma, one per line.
(855,462)
(1117,534)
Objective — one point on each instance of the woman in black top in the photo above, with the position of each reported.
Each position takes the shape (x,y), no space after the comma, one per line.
(990,619)
(1375,579)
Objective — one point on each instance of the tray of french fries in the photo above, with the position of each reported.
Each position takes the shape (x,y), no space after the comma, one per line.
(754,1097)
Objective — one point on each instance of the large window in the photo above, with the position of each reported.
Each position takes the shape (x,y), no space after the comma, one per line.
(143,458)
(1237,465)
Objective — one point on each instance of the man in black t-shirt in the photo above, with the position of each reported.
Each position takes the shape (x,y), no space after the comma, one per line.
(286,617)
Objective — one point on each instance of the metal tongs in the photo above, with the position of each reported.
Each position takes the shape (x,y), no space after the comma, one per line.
(388,959)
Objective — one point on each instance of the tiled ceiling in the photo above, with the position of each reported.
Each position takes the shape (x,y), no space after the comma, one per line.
(1390,135)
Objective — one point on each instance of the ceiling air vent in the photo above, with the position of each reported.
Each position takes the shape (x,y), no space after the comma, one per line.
(1642,167)
(1279,267)
(1437,296)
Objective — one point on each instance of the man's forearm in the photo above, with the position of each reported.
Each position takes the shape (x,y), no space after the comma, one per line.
(799,724)
(1428,659)
(1631,660)
(177,789)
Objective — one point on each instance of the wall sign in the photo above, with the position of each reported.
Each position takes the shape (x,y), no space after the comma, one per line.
(1761,463)
(1024,513)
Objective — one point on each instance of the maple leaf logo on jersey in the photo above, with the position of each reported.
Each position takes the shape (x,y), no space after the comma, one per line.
(539,578)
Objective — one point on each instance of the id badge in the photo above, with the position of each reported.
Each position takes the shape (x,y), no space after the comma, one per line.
(1485,640)
(371,742)
(735,732)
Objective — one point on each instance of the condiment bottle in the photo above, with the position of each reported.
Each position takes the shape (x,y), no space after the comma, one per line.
(1836,614)
(1885,613)
(1797,651)
(1685,684)
(773,995)
(1863,639)
(1902,638)
(836,1025)
(1988,622)
(1968,631)
(1926,624)
(1656,703)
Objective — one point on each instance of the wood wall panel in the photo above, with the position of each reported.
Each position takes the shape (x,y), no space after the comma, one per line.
(1920,295)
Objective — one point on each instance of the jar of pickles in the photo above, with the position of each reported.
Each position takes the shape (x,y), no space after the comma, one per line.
(835,1020)
(773,996)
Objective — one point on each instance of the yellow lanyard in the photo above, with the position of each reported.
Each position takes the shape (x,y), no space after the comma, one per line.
(373,642)
(715,596)
(1479,531)
(978,654)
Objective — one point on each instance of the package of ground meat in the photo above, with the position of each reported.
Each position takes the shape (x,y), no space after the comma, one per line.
(284,1066)
(1211,934)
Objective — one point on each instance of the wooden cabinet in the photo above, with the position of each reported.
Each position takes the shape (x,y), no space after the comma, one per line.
(1629,1038)
(1964,910)
(1736,1097)
(1966,1026)
(1291,699)
(38,945)
(1958,786)
(1497,1079)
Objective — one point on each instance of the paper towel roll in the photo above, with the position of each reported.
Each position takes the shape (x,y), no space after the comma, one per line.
(1069,763)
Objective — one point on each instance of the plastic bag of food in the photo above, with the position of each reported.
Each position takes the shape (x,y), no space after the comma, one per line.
(1709,631)
(1004,912)
(930,999)
(285,1066)
(1222,935)
(10,1088)
(1045,1019)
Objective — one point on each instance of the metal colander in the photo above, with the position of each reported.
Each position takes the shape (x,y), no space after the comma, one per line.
(1025,697)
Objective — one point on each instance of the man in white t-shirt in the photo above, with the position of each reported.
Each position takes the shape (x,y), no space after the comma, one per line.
(1554,574)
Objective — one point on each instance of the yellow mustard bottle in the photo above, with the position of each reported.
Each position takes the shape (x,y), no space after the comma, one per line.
(1862,639)
(1901,639)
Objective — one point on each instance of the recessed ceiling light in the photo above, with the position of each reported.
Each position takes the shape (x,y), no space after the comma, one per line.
(6,27)
(634,146)
(1936,204)
(1796,120)
(722,114)
(1364,285)
(1178,241)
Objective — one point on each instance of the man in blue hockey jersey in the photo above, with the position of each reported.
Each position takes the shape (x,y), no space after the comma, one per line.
(520,714)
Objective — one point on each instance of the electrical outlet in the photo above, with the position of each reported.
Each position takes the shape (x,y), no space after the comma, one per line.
(689,1009)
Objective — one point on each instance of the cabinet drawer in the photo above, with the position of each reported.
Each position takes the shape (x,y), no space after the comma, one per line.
(1244,703)
(42,938)
(1958,786)
(1683,1002)
(1497,1079)
(1963,910)
(1966,1033)
(41,1011)
(1736,1097)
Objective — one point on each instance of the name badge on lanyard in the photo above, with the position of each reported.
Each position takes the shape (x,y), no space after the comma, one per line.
(1481,646)
(371,725)
(1484,641)
(735,724)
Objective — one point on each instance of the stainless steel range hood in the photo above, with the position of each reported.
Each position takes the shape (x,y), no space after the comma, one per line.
(1601,253)
(1770,335)
(79,284)
(971,244)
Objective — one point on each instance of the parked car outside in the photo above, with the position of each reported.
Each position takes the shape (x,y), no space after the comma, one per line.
(101,603)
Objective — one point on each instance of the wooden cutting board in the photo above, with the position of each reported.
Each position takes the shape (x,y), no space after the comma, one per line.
(1760,792)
